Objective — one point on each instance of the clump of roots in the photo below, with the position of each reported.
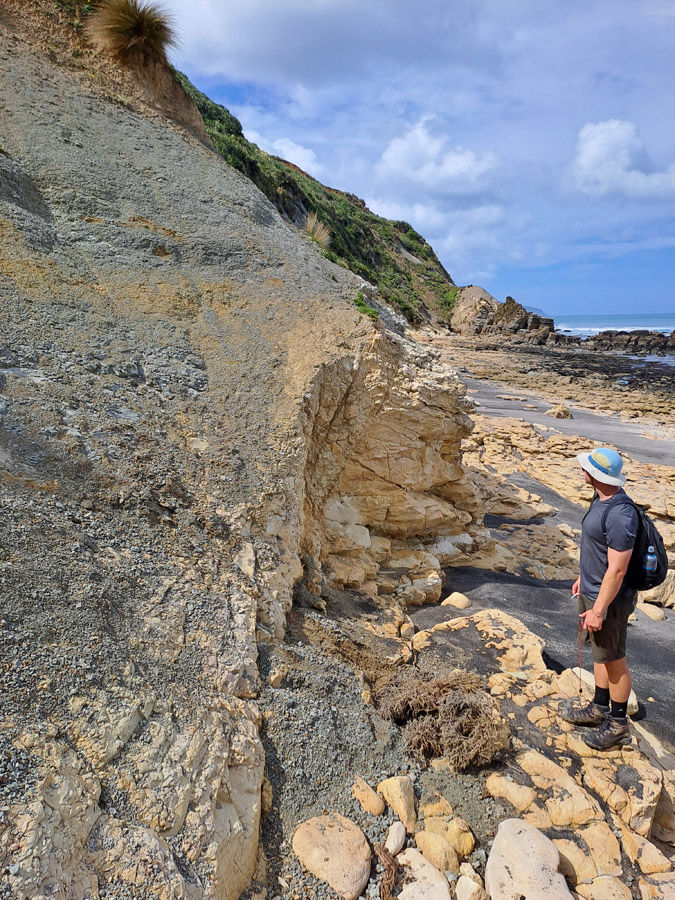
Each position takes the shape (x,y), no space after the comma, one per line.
(422,738)
(391,871)
(452,716)
(472,729)
(411,693)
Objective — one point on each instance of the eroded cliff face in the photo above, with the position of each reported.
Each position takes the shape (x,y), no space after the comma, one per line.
(190,408)
(386,501)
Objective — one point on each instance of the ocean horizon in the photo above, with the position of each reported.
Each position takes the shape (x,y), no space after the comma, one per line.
(587,326)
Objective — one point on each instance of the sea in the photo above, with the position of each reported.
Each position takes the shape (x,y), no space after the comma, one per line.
(587,326)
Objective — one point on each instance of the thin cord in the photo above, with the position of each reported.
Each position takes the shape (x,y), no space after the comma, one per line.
(580,691)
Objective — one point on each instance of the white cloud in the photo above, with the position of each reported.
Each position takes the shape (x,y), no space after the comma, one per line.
(477,108)
(425,217)
(426,160)
(303,157)
(611,159)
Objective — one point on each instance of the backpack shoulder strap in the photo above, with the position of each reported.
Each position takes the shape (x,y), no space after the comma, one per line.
(638,509)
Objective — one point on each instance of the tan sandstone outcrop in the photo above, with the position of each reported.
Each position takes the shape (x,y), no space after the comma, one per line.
(386,501)
(498,447)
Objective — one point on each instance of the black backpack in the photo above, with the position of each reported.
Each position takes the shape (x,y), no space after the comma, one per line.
(647,536)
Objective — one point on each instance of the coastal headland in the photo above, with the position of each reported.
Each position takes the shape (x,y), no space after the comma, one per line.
(285,575)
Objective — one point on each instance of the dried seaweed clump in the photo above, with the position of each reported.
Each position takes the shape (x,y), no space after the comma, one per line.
(451,715)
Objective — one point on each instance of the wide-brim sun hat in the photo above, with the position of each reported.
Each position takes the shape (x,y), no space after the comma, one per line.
(603,464)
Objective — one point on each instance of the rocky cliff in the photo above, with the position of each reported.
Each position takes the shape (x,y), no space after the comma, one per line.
(194,419)
(478,312)
(389,254)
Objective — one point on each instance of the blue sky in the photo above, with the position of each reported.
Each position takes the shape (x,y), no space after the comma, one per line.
(531,143)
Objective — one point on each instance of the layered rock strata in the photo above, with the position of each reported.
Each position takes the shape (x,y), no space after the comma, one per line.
(478,312)
(386,500)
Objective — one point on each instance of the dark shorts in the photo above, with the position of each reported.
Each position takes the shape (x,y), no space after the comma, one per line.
(609,644)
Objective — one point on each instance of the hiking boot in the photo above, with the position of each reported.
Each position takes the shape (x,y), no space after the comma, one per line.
(612,733)
(590,714)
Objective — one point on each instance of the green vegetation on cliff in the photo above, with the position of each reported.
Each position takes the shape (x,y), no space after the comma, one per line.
(391,255)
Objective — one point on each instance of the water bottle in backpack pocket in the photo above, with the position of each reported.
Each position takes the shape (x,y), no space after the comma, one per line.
(648,564)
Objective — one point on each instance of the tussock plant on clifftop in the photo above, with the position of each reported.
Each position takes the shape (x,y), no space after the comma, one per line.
(132,30)
(452,716)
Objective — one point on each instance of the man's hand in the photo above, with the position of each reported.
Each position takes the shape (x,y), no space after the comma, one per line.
(591,621)
(576,586)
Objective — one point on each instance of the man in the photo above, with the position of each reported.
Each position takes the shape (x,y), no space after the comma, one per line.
(608,533)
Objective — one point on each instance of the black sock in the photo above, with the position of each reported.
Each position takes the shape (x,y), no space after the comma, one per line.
(619,710)
(601,696)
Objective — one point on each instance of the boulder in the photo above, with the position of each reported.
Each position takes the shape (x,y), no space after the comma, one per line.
(398,792)
(369,800)
(276,677)
(438,851)
(513,874)
(468,889)
(559,412)
(437,805)
(654,612)
(424,881)
(459,835)
(458,600)
(455,831)
(334,850)
(664,594)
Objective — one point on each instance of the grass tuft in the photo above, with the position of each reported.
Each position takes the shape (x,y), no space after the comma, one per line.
(318,231)
(363,307)
(130,29)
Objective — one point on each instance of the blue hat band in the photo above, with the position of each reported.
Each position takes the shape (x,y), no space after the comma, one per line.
(597,465)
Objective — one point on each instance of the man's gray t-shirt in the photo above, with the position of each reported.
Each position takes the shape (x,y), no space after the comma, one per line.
(621,525)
